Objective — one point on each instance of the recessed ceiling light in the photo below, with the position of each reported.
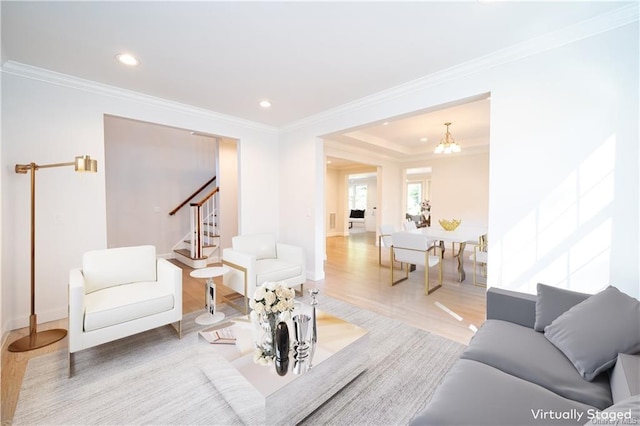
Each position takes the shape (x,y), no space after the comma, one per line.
(386,123)
(127,59)
(423,139)
(265,104)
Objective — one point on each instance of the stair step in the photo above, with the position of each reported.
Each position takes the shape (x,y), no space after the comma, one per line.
(210,234)
(203,246)
(187,253)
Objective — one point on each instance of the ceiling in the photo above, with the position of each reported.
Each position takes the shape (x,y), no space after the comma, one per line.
(305,57)
(414,138)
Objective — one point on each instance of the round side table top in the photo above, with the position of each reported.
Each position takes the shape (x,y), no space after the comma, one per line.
(210,272)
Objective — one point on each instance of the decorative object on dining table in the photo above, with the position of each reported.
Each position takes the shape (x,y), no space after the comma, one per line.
(425,213)
(300,344)
(271,304)
(450,225)
(282,348)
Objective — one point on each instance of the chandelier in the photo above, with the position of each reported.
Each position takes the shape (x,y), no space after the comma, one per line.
(447,145)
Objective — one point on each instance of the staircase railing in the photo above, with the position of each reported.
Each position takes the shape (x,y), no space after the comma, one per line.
(204,223)
(192,196)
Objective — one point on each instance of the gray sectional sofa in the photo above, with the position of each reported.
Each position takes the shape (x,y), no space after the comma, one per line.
(560,357)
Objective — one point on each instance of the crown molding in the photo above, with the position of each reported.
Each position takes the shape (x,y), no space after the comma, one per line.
(599,24)
(605,22)
(52,77)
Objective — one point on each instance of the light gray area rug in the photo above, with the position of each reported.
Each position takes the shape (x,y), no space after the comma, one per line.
(154,378)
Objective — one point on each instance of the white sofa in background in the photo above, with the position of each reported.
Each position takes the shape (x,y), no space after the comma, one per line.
(254,259)
(120,292)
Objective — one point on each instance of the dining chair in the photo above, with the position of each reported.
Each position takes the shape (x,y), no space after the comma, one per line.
(409,225)
(384,240)
(416,249)
(480,256)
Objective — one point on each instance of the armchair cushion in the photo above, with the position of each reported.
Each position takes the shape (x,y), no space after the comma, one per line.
(262,246)
(108,268)
(275,270)
(105,308)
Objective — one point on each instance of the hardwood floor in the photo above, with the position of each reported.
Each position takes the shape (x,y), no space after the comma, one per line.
(352,275)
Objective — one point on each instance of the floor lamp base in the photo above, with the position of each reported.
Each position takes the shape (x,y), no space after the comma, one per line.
(37,340)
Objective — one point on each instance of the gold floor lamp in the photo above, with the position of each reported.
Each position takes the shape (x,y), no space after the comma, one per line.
(37,339)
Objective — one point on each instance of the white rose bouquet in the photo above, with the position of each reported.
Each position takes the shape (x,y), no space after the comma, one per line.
(272,302)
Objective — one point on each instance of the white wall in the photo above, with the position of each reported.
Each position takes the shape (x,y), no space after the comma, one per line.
(553,114)
(565,212)
(333,178)
(302,208)
(228,195)
(460,189)
(372,203)
(47,122)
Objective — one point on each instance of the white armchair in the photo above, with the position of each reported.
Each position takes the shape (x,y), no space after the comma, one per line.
(254,259)
(120,292)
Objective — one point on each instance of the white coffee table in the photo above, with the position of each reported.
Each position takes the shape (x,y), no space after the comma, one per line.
(258,395)
(211,316)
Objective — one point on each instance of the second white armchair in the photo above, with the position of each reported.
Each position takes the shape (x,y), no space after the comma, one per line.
(254,259)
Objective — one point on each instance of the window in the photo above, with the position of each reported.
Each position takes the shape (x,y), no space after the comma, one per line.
(357,196)
(414,197)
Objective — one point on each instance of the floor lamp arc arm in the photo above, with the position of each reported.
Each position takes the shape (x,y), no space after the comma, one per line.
(37,339)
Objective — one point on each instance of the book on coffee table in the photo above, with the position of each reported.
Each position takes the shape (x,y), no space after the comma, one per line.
(219,336)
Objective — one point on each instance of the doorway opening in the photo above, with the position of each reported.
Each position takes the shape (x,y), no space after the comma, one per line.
(152,169)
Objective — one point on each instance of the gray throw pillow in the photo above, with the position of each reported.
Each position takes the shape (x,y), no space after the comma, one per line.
(553,302)
(592,333)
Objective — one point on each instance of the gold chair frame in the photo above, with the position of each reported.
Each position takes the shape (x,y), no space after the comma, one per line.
(481,245)
(427,289)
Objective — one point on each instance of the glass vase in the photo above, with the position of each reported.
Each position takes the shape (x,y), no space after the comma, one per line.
(265,341)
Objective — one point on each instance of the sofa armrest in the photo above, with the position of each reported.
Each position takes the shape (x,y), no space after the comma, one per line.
(170,275)
(507,305)
(76,309)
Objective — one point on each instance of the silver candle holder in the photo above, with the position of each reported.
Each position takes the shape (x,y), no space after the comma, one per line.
(314,324)
(304,346)
(300,344)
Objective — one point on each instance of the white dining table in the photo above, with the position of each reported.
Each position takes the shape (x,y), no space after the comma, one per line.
(461,235)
